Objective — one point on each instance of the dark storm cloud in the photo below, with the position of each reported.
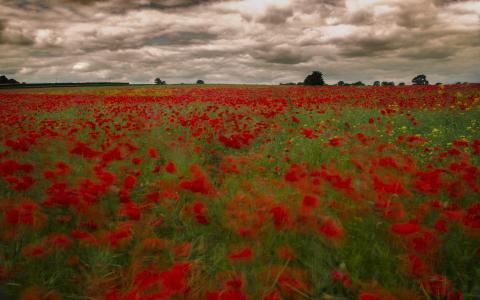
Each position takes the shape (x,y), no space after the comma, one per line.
(131,4)
(169,4)
(238,40)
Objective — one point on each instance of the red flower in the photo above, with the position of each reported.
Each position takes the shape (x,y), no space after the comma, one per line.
(113,154)
(280,216)
(33,250)
(393,186)
(428,182)
(129,181)
(199,182)
(414,265)
(174,279)
(242,254)
(183,249)
(198,209)
(114,237)
(369,296)
(405,228)
(81,235)
(340,276)
(136,160)
(82,149)
(156,169)
(59,240)
(170,167)
(272,296)
(131,210)
(331,228)
(197,185)
(294,173)
(308,133)
(145,279)
(152,153)
(423,242)
(310,201)
(437,285)
(440,225)
(334,141)
(12,215)
(472,217)
(20,183)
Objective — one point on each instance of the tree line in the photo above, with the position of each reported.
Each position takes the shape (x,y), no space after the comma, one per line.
(316,78)
(5,80)
(163,82)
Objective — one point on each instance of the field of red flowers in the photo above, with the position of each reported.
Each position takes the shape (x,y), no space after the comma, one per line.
(240,192)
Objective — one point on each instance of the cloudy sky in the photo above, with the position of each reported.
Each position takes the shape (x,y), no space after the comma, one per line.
(239,41)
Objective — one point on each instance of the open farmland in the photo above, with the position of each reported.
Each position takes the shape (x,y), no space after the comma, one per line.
(240,192)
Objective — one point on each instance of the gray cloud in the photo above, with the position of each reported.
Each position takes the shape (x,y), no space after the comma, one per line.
(368,46)
(447,2)
(114,4)
(264,41)
(276,15)
(181,38)
(13,37)
(362,17)
(420,16)
(280,55)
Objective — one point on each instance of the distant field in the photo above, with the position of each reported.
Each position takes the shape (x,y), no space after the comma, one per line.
(240,192)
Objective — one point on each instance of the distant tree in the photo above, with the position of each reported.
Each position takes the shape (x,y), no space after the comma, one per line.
(420,80)
(341,83)
(358,83)
(159,81)
(299,83)
(316,78)
(438,83)
(376,83)
(5,80)
(200,81)
(401,84)
(387,83)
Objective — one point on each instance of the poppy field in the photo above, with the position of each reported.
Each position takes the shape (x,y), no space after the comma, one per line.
(240,192)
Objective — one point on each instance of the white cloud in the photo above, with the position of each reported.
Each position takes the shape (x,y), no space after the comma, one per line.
(81,66)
